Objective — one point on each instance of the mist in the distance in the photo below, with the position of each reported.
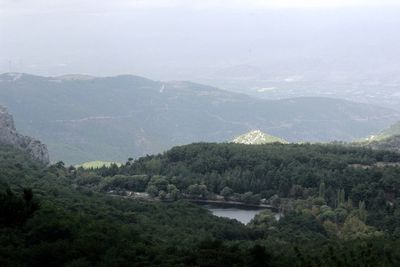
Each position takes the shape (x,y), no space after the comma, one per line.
(346,49)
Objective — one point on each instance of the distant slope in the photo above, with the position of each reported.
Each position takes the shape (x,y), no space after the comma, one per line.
(257,138)
(388,139)
(391,143)
(387,133)
(84,118)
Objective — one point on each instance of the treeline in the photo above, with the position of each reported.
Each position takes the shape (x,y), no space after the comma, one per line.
(295,171)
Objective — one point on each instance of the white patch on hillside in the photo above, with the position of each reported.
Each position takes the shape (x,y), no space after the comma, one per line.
(257,137)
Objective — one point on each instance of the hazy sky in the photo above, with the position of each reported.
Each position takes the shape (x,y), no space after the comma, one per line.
(20,6)
(184,39)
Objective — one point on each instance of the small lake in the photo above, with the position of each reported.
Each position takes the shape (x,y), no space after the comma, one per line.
(242,215)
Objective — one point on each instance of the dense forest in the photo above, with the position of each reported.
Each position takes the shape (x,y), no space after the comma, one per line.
(288,177)
(340,207)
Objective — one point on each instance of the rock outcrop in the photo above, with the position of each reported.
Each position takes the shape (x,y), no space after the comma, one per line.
(257,138)
(10,136)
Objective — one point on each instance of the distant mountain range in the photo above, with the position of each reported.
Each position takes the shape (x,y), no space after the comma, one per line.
(84,118)
(257,137)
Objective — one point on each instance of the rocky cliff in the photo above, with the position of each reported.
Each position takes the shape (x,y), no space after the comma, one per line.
(10,136)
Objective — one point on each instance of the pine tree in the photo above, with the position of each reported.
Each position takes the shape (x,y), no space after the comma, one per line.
(362,212)
(322,189)
(341,196)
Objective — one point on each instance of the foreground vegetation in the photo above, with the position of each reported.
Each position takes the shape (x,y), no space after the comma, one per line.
(340,209)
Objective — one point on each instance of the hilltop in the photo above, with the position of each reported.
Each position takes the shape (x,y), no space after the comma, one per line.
(257,137)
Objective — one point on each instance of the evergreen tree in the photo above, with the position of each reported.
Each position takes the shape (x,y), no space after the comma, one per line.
(362,212)
(322,189)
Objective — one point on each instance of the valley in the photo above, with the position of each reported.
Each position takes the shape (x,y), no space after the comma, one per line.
(175,133)
(113,118)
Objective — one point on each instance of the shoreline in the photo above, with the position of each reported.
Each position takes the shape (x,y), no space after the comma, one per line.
(224,203)
(220,203)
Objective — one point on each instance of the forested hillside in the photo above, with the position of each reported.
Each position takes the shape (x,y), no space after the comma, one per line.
(83,118)
(61,216)
(387,139)
(48,218)
(276,174)
(391,143)
(393,130)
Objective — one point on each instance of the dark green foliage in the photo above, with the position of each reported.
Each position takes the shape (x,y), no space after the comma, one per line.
(132,183)
(79,227)
(332,174)
(14,209)
(301,228)
(286,170)
(66,220)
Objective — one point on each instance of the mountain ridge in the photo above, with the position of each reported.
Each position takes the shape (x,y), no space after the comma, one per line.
(113,118)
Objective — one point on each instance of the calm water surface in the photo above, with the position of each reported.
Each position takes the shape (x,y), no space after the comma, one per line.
(242,215)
